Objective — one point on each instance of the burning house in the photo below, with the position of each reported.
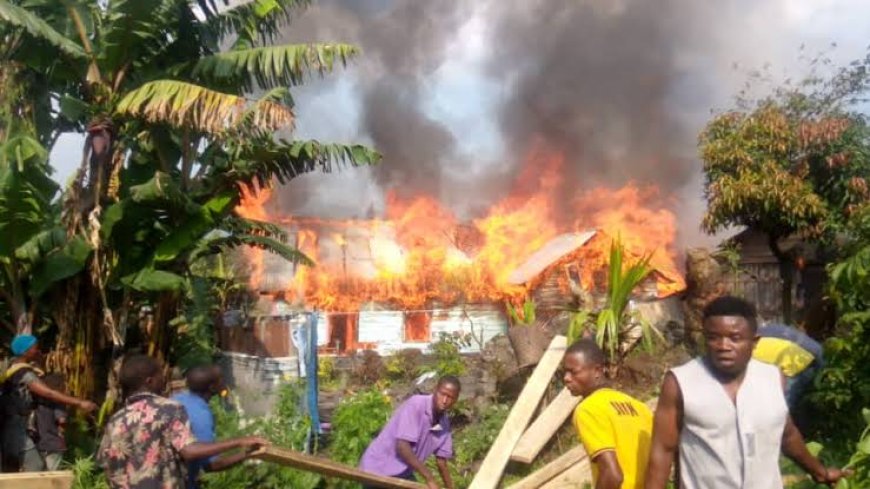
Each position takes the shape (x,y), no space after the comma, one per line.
(400,280)
(369,292)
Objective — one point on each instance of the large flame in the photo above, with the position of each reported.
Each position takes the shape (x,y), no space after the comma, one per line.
(419,254)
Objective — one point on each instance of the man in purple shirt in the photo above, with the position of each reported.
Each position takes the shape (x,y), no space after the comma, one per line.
(418,429)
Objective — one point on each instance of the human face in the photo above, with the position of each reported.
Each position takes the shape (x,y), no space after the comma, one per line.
(579,377)
(729,341)
(445,397)
(33,354)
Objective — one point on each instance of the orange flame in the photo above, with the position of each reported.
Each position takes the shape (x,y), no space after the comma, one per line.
(252,206)
(421,255)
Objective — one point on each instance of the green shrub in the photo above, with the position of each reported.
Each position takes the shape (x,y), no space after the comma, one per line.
(842,388)
(355,423)
(287,427)
(471,443)
(448,360)
(404,365)
(87,475)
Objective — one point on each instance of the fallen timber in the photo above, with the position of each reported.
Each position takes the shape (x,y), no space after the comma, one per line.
(329,468)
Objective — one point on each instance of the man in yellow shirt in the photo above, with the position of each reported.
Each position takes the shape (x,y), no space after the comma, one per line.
(614,427)
(797,355)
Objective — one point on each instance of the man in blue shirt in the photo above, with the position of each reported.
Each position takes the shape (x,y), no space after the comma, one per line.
(203,383)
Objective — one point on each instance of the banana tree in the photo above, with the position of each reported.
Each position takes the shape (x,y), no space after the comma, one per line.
(172,136)
(35,252)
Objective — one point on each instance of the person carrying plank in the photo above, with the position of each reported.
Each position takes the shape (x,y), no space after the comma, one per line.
(419,428)
(725,414)
(147,443)
(203,383)
(615,428)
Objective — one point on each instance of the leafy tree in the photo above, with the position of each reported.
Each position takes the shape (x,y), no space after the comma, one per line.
(173,136)
(792,164)
(842,388)
(34,249)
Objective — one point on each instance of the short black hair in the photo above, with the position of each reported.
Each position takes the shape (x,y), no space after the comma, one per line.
(591,352)
(135,370)
(728,305)
(449,380)
(200,378)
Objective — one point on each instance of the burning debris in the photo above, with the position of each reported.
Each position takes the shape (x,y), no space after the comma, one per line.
(419,255)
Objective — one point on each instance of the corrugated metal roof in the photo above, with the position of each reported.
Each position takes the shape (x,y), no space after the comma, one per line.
(548,254)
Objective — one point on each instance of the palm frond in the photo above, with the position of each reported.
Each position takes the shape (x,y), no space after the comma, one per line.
(252,21)
(191,106)
(235,224)
(39,29)
(223,243)
(136,30)
(271,66)
(262,160)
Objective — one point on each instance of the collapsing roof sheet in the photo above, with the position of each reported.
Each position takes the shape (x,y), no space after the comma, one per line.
(550,253)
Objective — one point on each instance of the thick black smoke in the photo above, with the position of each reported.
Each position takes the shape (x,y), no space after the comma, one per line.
(620,87)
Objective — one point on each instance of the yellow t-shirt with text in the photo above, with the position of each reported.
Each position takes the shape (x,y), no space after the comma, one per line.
(611,420)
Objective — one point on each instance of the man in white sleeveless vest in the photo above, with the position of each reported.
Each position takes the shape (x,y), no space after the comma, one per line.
(725,414)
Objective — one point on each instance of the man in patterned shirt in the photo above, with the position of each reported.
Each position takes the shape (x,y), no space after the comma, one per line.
(147,443)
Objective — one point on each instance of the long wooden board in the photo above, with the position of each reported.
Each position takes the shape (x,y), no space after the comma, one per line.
(544,427)
(576,475)
(490,472)
(61,479)
(329,468)
(548,472)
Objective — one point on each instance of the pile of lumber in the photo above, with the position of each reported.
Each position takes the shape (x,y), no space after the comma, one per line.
(521,439)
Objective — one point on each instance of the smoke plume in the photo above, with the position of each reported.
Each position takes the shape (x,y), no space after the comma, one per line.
(620,88)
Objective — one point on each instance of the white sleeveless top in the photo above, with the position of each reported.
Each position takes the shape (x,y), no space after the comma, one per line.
(728,446)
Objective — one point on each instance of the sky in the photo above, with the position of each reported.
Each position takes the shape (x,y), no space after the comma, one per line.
(454,92)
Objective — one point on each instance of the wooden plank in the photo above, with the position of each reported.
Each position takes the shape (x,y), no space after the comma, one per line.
(576,475)
(490,472)
(330,468)
(61,479)
(548,472)
(544,427)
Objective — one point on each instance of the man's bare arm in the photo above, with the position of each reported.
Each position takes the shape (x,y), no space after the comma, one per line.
(444,470)
(39,388)
(609,472)
(666,434)
(403,448)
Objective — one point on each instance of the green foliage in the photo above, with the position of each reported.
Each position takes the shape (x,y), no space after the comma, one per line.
(783,170)
(842,388)
(404,365)
(174,138)
(355,423)
(528,313)
(448,359)
(271,66)
(578,325)
(327,375)
(612,323)
(87,475)
(857,461)
(287,427)
(471,443)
